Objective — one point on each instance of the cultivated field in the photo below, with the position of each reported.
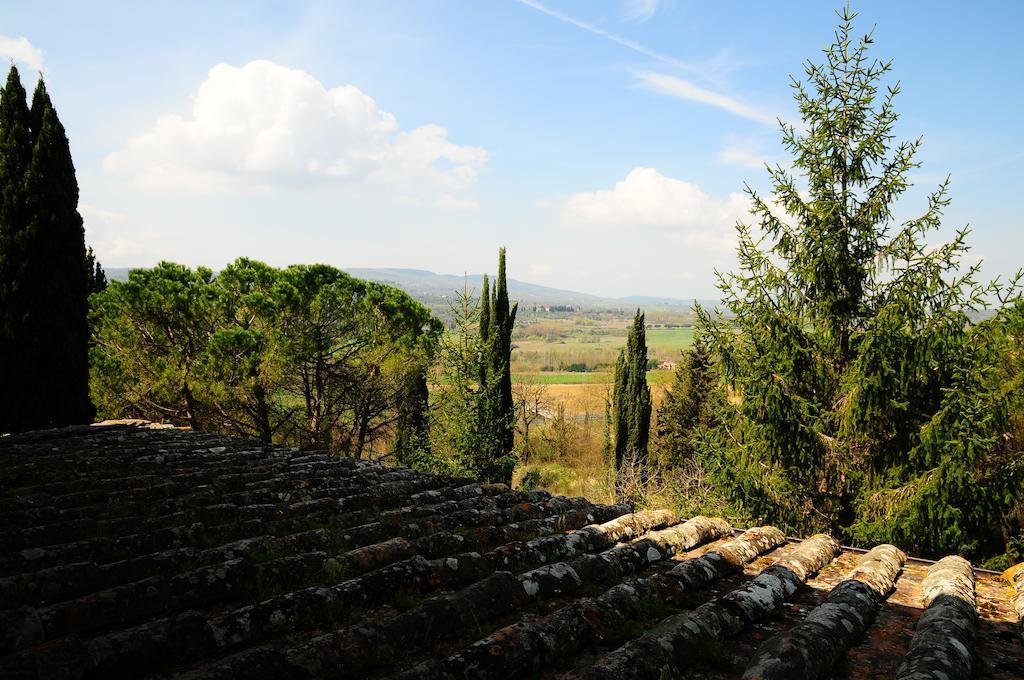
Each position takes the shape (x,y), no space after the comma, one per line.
(563,365)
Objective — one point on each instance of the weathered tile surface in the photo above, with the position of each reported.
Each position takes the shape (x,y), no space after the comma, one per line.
(130,550)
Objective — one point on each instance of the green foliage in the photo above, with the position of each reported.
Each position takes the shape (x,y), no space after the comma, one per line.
(96,277)
(689,406)
(151,335)
(477,415)
(307,354)
(44,331)
(867,401)
(631,398)
(459,430)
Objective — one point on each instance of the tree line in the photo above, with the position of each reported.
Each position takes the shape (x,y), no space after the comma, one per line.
(306,354)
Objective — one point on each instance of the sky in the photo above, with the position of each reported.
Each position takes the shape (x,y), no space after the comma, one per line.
(606,143)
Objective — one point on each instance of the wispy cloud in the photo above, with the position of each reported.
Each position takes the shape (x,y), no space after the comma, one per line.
(608,35)
(664,84)
(641,10)
(684,89)
(21,51)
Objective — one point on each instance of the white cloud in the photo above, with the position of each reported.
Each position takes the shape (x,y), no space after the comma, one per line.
(21,51)
(640,10)
(684,89)
(264,124)
(648,199)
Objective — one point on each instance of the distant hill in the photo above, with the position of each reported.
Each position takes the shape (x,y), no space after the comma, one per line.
(435,290)
(420,283)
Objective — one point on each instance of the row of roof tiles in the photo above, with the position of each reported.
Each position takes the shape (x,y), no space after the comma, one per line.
(132,551)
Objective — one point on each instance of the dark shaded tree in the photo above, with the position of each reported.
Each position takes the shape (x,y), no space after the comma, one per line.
(44,275)
(97,278)
(15,156)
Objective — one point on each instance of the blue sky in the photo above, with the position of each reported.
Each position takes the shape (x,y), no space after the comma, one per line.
(606,143)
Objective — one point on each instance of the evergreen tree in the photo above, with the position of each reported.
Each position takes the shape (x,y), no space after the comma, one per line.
(45,279)
(495,406)
(866,402)
(631,399)
(502,322)
(412,428)
(15,156)
(97,278)
(689,405)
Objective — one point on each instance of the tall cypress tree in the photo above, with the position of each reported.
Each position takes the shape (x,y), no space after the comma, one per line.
(44,273)
(485,330)
(632,398)
(503,320)
(15,156)
(495,407)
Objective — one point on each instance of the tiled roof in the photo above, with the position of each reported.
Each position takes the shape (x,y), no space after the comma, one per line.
(130,551)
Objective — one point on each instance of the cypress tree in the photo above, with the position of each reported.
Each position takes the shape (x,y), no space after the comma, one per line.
(502,322)
(40,102)
(485,330)
(632,398)
(97,278)
(45,279)
(15,156)
(495,407)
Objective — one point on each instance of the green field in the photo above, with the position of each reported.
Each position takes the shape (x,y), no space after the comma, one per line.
(668,340)
(657,377)
(583,348)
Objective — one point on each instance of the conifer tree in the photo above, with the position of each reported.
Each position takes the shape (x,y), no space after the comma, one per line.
(503,320)
(485,329)
(689,405)
(631,399)
(15,156)
(412,427)
(43,264)
(97,278)
(495,406)
(866,397)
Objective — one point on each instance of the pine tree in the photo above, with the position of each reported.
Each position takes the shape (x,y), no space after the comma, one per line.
(631,399)
(45,296)
(866,398)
